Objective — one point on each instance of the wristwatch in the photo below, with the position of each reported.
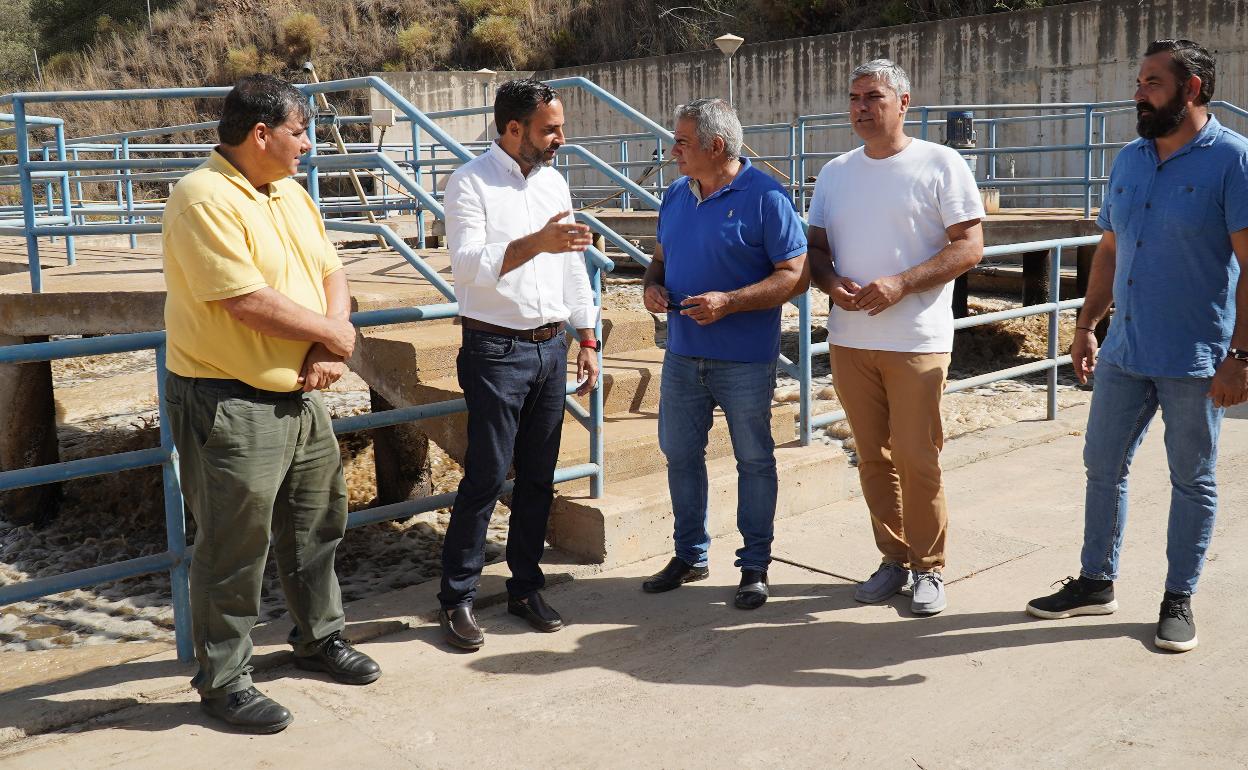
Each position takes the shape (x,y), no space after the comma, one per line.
(1238,354)
(597,344)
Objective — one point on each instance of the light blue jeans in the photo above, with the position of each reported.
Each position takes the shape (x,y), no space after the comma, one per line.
(1123,405)
(691,389)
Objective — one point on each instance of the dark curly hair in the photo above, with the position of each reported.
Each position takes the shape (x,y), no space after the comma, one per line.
(1188,59)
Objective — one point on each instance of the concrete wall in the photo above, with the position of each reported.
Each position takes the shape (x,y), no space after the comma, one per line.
(1073,53)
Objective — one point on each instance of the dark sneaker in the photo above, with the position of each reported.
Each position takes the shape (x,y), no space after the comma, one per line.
(1077,597)
(1176,628)
(248,710)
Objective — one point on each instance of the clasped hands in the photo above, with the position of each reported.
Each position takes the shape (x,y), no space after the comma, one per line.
(875,297)
(706,308)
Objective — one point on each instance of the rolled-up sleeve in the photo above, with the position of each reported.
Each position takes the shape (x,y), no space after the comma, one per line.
(474,261)
(578,296)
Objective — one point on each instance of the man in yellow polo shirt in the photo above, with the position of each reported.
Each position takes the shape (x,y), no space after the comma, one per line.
(257,318)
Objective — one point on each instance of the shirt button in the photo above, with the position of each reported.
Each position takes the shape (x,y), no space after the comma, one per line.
(1148,205)
(1130,281)
(1128,318)
(1139,243)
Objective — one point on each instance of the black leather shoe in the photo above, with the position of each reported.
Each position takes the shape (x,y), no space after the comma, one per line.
(536,611)
(460,627)
(249,711)
(341,661)
(752,593)
(674,575)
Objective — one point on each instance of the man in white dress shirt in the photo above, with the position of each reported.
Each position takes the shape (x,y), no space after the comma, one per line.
(519,268)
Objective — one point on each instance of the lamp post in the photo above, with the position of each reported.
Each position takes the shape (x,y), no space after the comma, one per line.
(728,44)
(485,76)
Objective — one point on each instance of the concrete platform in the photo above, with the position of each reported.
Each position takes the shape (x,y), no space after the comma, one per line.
(812,679)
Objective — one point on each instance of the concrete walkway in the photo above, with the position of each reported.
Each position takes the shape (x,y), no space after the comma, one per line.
(810,680)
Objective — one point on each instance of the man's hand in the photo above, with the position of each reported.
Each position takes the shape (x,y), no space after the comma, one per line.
(340,339)
(1230,383)
(587,370)
(880,294)
(557,236)
(707,308)
(321,368)
(655,298)
(842,293)
(1083,354)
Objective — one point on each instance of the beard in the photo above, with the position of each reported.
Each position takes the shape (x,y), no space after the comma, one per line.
(1155,122)
(532,155)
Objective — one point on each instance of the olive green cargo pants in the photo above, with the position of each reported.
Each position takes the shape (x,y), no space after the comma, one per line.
(253,464)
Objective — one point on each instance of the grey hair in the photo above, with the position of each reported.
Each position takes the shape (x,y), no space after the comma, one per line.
(714,117)
(886,71)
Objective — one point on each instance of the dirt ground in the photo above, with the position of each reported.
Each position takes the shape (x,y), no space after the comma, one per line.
(105,405)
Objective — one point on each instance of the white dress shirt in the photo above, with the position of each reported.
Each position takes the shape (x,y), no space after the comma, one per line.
(490,203)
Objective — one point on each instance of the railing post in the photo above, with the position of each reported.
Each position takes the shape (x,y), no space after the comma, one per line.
(992,144)
(923,125)
(658,147)
(801,166)
(624,201)
(1104,157)
(597,453)
(28,195)
(804,369)
(66,203)
(419,177)
(1087,161)
(78,184)
(175,524)
(314,178)
(793,165)
(1055,293)
(129,187)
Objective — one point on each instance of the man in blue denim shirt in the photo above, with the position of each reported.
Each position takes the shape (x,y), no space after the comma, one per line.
(1175,218)
(731,252)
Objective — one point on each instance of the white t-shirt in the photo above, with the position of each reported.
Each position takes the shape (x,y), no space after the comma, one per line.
(884,217)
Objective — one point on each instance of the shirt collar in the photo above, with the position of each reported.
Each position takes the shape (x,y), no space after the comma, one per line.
(217,162)
(509,163)
(738,182)
(1206,136)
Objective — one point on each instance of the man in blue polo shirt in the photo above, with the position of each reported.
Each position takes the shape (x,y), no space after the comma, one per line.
(1175,218)
(731,251)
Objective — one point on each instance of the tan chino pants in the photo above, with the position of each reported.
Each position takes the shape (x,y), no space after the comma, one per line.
(892,401)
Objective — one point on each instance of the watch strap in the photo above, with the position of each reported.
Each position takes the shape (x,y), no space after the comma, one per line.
(1239,354)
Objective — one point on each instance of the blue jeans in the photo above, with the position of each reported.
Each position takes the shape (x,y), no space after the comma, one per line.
(691,389)
(1123,404)
(514,390)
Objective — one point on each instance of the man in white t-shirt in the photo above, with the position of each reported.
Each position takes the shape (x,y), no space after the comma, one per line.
(892,224)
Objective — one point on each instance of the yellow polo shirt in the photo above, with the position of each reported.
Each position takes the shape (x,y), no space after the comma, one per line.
(224,238)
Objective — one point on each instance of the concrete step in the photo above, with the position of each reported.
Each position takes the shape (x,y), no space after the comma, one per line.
(631,437)
(393,359)
(633,522)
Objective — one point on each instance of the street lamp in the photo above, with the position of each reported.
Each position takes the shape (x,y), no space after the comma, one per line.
(485,76)
(729,44)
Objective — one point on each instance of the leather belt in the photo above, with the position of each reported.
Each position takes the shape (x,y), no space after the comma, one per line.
(540,334)
(238,388)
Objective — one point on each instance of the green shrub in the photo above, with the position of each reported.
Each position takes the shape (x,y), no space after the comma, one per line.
(300,34)
(414,40)
(62,64)
(240,62)
(513,8)
(499,37)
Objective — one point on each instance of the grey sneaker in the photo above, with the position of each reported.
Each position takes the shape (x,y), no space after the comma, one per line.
(887,581)
(929,593)
(1176,628)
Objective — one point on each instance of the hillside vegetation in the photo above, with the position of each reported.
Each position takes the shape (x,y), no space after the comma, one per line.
(91,44)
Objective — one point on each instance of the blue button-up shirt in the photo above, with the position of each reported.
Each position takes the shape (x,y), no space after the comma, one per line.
(729,240)
(1175,273)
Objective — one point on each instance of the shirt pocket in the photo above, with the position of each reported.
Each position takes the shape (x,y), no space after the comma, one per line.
(1120,198)
(1190,210)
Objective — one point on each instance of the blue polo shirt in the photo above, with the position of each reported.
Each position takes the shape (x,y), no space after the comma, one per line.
(1175,272)
(729,240)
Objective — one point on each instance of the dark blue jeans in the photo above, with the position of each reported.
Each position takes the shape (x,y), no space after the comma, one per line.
(691,389)
(514,391)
